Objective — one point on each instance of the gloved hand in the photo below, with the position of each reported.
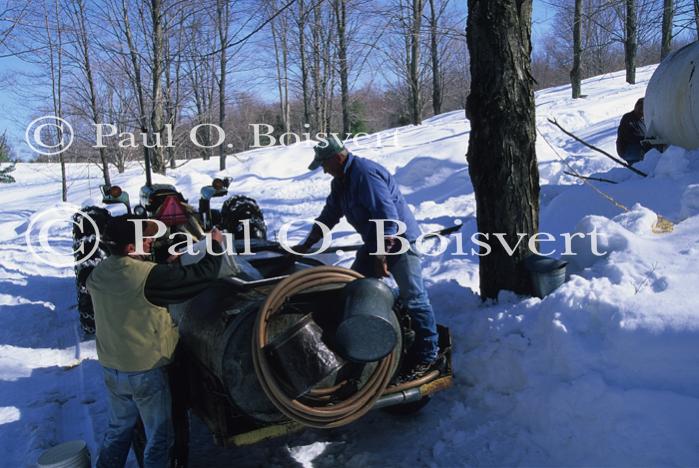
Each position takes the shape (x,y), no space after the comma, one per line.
(301,248)
(381,263)
(381,266)
(216,235)
(173,258)
(313,237)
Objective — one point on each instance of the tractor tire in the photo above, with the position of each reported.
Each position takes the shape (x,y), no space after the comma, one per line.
(87,238)
(238,208)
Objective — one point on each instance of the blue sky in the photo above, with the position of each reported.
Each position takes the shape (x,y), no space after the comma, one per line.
(18,111)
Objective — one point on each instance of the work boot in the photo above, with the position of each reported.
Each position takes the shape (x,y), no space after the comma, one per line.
(421,369)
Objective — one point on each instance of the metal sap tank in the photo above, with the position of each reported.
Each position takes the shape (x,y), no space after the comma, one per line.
(216,327)
(671,105)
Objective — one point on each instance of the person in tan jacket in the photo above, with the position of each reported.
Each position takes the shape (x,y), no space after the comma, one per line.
(136,337)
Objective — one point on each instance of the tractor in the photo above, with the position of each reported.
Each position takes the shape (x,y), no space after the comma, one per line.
(163,202)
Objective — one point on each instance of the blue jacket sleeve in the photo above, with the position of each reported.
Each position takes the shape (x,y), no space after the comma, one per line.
(377,199)
(332,212)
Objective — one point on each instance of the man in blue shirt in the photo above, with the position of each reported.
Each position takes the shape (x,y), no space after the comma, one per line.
(363,190)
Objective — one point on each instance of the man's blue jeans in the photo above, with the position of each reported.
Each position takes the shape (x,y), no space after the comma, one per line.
(407,272)
(132,394)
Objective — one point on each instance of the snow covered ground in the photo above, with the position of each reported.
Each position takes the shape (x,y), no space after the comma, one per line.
(603,372)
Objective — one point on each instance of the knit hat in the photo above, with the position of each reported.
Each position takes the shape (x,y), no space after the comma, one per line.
(120,231)
(325,150)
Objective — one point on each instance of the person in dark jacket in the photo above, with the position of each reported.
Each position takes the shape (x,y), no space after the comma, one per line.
(361,191)
(630,135)
(136,337)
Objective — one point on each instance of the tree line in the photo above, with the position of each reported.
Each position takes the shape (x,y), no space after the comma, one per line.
(592,37)
(303,66)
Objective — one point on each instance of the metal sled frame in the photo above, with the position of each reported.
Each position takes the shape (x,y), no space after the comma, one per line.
(231,429)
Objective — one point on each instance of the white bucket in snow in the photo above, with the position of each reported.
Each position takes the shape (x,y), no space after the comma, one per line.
(73,454)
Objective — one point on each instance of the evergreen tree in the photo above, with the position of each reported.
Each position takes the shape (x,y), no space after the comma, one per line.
(5,177)
(6,156)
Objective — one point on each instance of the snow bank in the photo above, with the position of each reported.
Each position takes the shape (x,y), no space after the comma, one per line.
(603,371)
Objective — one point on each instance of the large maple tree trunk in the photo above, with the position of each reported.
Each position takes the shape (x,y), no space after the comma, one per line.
(501,153)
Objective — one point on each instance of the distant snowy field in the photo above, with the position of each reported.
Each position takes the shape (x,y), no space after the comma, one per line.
(605,371)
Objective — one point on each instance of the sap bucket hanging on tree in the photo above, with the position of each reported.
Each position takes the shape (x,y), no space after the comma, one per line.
(671,106)
(546,273)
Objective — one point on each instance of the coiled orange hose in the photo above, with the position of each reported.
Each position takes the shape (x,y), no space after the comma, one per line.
(339,413)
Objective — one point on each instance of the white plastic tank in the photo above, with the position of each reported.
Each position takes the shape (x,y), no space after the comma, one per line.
(671,106)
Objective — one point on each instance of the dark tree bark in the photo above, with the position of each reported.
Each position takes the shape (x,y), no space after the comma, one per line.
(156,118)
(137,81)
(630,41)
(173,94)
(501,153)
(280,32)
(434,52)
(55,46)
(303,63)
(223,18)
(81,36)
(575,75)
(318,83)
(323,67)
(666,34)
(414,65)
(696,16)
(340,7)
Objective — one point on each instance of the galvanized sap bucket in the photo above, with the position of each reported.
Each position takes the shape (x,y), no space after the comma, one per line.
(546,273)
(369,330)
(73,454)
(302,356)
